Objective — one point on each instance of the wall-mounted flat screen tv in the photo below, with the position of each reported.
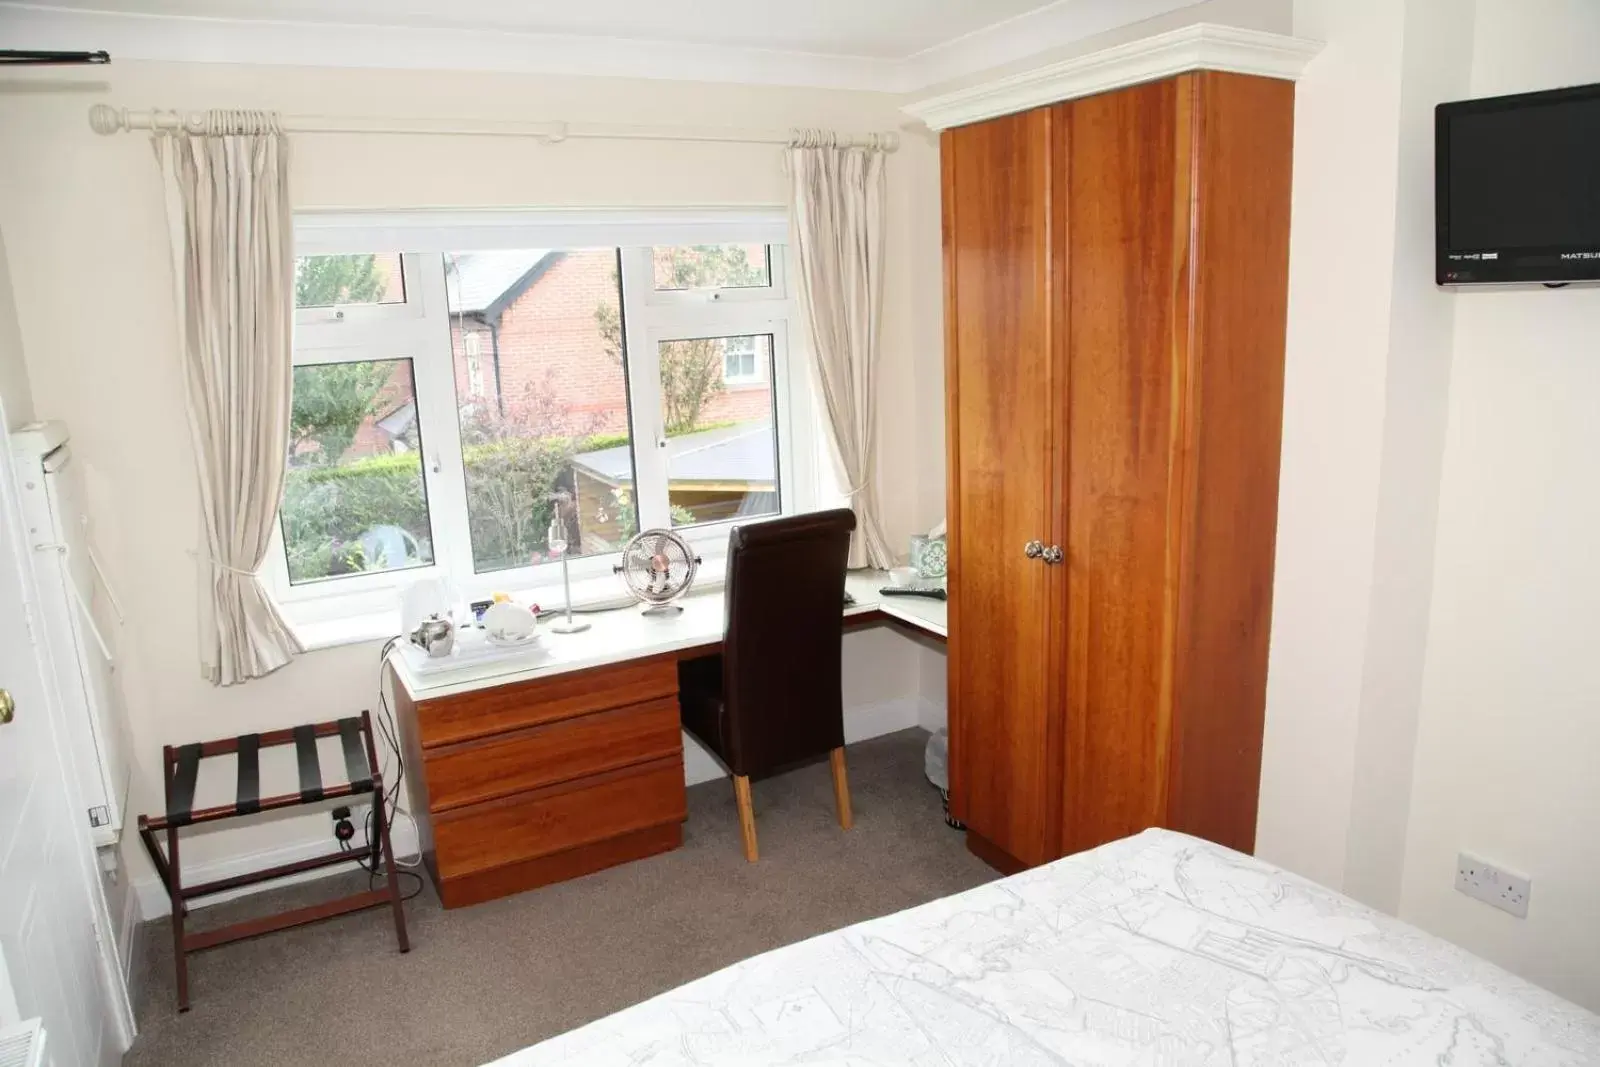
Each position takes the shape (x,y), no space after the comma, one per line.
(1517,183)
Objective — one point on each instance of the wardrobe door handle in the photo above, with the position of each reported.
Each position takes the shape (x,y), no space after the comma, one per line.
(1033,549)
(1053,554)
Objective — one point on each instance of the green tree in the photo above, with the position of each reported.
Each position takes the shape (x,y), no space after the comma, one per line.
(691,375)
(691,371)
(706,267)
(322,281)
(331,400)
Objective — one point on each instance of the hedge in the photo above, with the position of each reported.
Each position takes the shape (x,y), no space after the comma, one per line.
(509,483)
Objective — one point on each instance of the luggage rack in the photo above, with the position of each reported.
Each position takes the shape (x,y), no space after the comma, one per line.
(181,769)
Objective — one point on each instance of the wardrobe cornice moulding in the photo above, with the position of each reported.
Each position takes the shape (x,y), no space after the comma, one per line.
(1203,46)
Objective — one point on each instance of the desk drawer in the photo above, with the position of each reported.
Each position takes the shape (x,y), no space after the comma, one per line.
(555,752)
(497,709)
(576,813)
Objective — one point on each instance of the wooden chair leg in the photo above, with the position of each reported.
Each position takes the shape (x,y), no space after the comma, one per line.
(841,788)
(747,815)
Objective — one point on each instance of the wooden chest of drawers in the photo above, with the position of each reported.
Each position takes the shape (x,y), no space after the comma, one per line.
(520,785)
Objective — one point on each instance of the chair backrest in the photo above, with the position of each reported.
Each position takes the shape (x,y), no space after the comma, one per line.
(782,638)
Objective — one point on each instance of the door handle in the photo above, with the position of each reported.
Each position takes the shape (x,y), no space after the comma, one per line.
(1033,549)
(8,707)
(1053,554)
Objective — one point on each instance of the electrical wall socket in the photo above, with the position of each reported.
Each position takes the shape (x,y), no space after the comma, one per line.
(1493,885)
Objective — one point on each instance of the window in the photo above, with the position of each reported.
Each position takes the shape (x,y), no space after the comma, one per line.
(343,280)
(740,363)
(354,499)
(547,454)
(480,411)
(723,461)
(712,267)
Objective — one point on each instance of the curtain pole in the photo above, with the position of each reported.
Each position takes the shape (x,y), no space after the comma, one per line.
(105,119)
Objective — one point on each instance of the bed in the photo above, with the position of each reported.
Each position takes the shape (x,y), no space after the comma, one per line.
(1157,949)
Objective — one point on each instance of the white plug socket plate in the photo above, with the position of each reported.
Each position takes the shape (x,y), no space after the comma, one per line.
(1493,885)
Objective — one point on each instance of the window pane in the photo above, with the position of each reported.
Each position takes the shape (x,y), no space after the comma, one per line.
(353,500)
(329,281)
(542,394)
(712,267)
(722,442)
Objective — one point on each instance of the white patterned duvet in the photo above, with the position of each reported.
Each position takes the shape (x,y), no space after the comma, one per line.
(1157,949)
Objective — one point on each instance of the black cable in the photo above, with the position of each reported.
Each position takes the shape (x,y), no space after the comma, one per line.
(372,875)
(389,802)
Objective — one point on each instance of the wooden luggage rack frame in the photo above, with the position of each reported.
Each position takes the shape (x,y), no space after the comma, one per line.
(181,768)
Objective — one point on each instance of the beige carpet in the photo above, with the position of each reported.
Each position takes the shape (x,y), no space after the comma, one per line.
(481,982)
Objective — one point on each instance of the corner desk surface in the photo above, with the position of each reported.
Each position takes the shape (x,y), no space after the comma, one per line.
(552,762)
(623,634)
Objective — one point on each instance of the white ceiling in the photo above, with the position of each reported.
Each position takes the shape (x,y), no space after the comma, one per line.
(883,29)
(892,45)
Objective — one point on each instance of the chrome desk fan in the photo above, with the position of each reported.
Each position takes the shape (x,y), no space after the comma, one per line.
(658,567)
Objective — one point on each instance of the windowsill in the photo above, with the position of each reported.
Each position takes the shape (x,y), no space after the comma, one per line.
(346,630)
(589,594)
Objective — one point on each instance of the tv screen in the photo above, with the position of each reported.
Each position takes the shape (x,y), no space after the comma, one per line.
(1518,188)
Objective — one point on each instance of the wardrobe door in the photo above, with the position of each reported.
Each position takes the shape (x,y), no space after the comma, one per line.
(1243,155)
(1123,164)
(999,380)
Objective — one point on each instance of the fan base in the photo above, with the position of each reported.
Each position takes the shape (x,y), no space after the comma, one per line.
(663,609)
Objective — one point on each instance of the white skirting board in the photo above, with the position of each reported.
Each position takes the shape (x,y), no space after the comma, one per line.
(860,723)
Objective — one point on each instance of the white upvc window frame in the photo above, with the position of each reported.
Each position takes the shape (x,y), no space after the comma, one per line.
(776,289)
(381,332)
(687,319)
(419,329)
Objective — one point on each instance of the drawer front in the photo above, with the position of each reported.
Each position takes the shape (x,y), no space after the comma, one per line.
(555,752)
(559,817)
(497,709)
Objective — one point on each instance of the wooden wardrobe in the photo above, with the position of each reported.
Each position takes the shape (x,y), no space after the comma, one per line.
(1116,272)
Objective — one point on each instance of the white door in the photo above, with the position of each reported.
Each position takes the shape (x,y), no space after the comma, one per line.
(50,899)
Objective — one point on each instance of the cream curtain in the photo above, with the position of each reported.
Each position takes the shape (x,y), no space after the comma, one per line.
(836,237)
(227,198)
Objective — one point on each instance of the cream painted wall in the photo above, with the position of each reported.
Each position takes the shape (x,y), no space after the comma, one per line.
(1427,689)
(1341,244)
(1510,719)
(1435,65)
(83,221)
(16,394)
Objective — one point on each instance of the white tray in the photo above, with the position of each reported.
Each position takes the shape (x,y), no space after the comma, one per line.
(472,647)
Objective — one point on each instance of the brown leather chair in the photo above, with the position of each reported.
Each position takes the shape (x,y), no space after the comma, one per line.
(772,699)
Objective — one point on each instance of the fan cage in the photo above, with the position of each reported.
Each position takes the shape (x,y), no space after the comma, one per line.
(642,575)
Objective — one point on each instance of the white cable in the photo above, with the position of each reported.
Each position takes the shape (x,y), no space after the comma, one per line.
(390,730)
(415,832)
